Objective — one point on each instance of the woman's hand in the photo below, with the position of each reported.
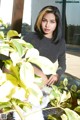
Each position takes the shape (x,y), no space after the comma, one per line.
(52,79)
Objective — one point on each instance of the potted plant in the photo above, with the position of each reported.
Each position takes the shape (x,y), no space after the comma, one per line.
(20,88)
(64,102)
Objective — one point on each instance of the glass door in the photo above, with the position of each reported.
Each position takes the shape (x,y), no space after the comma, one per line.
(73,22)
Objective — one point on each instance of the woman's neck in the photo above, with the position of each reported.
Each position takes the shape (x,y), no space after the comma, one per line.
(48,36)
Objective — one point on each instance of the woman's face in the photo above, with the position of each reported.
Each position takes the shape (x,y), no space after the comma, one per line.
(48,24)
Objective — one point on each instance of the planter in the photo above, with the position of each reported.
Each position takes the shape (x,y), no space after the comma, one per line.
(72,80)
(57,112)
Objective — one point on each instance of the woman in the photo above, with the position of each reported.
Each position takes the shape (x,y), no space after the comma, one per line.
(48,39)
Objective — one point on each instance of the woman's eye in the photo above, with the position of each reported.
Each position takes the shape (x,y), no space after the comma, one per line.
(44,20)
(53,21)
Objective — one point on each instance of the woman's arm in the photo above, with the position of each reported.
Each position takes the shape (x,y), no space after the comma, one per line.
(61,64)
(61,67)
(39,72)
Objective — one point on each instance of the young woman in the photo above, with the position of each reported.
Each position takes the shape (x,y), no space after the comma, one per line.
(48,39)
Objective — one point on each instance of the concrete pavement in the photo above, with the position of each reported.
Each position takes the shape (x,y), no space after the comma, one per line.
(73,62)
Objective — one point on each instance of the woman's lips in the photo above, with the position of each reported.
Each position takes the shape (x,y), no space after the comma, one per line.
(46,30)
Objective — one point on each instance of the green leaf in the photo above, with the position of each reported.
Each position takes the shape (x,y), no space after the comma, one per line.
(25,44)
(18,46)
(20,94)
(14,70)
(5,104)
(64,117)
(2,77)
(77,109)
(26,73)
(65,82)
(72,115)
(1,35)
(39,81)
(35,95)
(43,62)
(24,104)
(13,79)
(65,96)
(2,23)
(74,88)
(4,49)
(6,87)
(78,102)
(50,117)
(16,59)
(12,33)
(55,93)
(32,53)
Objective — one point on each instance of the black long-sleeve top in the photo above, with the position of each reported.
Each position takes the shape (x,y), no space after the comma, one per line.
(49,49)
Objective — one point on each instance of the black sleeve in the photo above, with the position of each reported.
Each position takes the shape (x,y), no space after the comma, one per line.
(62,65)
(62,61)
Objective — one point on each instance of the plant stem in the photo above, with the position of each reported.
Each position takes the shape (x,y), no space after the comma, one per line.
(49,108)
(17,108)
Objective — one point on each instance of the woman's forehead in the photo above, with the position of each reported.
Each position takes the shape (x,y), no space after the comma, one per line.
(49,15)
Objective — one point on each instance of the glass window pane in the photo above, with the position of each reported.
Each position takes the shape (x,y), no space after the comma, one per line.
(73,22)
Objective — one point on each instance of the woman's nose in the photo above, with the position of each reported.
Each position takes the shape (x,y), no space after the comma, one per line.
(47,24)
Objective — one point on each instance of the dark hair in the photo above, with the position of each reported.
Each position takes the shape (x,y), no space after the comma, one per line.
(58,31)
